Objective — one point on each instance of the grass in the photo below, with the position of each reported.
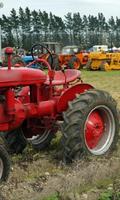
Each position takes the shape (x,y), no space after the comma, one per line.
(108,81)
(53,197)
(107,195)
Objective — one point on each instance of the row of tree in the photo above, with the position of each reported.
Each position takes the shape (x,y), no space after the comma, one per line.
(27,27)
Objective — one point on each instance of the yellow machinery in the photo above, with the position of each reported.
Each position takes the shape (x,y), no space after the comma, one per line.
(104,61)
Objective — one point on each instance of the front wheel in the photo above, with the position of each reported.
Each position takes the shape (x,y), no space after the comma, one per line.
(40,142)
(15,141)
(4,164)
(38,134)
(91,125)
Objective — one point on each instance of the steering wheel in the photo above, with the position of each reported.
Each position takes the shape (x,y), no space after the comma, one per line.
(39,51)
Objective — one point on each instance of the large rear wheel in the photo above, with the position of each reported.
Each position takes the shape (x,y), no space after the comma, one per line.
(91,125)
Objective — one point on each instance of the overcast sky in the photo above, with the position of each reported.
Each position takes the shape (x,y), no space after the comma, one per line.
(61,7)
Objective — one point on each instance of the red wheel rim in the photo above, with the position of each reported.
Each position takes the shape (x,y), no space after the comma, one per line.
(94,129)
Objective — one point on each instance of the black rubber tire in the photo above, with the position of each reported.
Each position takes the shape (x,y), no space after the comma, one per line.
(73,139)
(42,140)
(4,157)
(71,62)
(37,134)
(15,141)
(102,66)
(88,65)
(39,145)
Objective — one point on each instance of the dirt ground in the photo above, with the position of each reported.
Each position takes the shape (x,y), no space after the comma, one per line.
(35,176)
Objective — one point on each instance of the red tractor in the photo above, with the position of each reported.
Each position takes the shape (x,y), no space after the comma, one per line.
(33,104)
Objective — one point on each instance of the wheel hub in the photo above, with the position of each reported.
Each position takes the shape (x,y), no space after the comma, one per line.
(94,129)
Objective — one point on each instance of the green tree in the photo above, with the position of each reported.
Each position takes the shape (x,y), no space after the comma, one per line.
(63,36)
(78,29)
(45,24)
(93,30)
(86,32)
(58,28)
(22,26)
(101,29)
(15,25)
(112,26)
(36,24)
(69,27)
(28,28)
(7,36)
(117,32)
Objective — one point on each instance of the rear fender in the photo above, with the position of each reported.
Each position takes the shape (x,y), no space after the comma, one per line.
(70,94)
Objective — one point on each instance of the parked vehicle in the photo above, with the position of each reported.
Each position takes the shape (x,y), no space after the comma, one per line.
(72,57)
(34,112)
(103,61)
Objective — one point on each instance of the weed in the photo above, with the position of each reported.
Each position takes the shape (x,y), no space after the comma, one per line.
(53,197)
(107,195)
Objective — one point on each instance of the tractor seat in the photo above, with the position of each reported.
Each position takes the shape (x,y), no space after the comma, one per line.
(59,78)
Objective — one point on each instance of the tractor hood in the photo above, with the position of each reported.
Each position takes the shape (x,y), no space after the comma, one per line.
(21,76)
